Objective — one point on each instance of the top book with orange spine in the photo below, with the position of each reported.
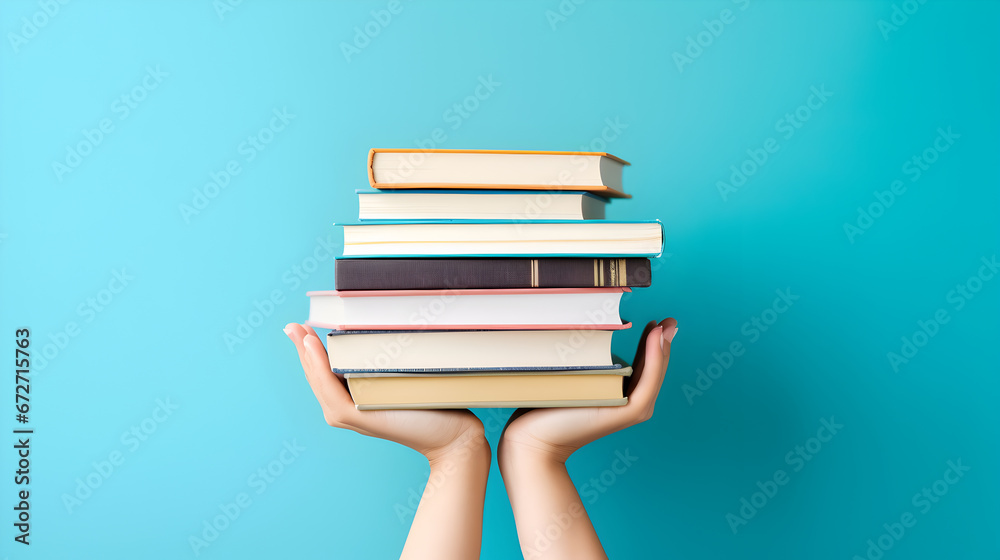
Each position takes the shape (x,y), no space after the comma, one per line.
(599,173)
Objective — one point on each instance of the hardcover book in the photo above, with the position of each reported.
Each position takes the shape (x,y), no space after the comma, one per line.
(596,172)
(461,273)
(594,238)
(517,309)
(488,389)
(428,351)
(478,205)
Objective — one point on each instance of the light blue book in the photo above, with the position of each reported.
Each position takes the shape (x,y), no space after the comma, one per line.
(502,238)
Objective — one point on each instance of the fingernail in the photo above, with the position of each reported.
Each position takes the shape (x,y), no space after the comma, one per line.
(288,330)
(668,335)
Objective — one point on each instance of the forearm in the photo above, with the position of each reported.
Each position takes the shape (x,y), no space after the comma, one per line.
(448,523)
(552,523)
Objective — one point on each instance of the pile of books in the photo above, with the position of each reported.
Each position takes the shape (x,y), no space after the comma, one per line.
(484,279)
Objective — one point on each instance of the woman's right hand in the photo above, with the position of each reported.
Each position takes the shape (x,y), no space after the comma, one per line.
(434,433)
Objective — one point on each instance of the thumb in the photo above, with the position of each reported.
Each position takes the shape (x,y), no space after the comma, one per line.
(654,367)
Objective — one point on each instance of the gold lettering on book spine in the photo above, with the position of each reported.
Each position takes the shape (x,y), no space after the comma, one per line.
(613,272)
(534,273)
(595,274)
(622,276)
(602,273)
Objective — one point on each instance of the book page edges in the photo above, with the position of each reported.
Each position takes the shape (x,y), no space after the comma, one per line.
(474,327)
(498,404)
(468,291)
(624,371)
(371,170)
(599,190)
(371,154)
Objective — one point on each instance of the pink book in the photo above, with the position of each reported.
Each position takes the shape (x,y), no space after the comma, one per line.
(488,309)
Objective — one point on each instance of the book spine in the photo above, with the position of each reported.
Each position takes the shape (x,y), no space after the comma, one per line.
(458,274)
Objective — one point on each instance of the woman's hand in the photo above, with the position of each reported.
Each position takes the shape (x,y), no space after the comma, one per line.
(448,523)
(433,433)
(551,520)
(558,432)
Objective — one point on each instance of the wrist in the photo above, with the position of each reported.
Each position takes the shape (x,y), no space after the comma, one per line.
(468,449)
(530,455)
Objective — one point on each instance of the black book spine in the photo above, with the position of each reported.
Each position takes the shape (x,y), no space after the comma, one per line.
(441,274)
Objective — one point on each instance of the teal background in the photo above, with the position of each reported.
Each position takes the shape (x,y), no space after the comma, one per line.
(164,336)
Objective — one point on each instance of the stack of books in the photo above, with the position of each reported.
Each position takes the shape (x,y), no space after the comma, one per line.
(484,279)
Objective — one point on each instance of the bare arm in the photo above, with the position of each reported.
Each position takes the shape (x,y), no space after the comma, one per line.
(449,519)
(448,523)
(551,520)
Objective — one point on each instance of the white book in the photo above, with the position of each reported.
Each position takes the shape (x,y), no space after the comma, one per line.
(468,350)
(539,239)
(479,205)
(521,308)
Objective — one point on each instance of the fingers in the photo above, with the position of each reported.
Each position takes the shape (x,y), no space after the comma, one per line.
(309,330)
(638,360)
(338,407)
(296,332)
(325,384)
(655,358)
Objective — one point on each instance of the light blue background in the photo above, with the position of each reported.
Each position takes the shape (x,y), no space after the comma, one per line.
(163,336)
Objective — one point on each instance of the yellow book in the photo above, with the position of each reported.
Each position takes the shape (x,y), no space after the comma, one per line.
(488,389)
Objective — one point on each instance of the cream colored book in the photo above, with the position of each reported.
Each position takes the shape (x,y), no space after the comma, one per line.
(488,389)
(596,172)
